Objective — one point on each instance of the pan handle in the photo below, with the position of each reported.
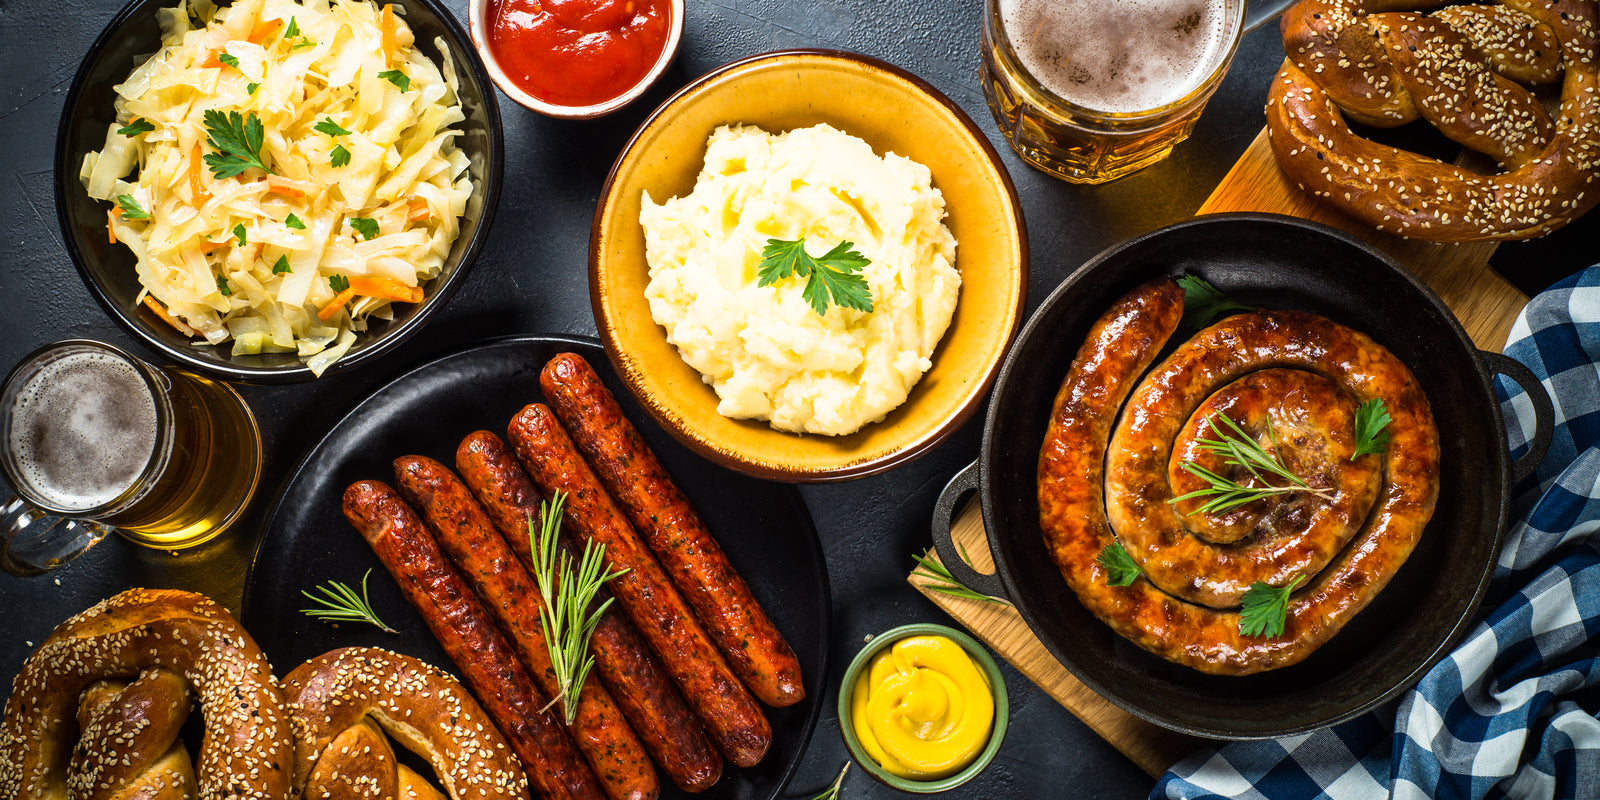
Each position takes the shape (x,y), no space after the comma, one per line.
(1544,412)
(944,515)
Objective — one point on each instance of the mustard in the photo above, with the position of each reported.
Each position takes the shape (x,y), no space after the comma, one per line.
(923,709)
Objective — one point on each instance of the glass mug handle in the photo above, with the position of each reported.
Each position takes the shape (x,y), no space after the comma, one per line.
(33,542)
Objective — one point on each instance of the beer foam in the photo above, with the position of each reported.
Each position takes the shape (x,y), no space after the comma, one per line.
(1118,56)
(82,429)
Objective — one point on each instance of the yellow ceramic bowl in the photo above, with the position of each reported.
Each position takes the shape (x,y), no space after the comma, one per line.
(891,110)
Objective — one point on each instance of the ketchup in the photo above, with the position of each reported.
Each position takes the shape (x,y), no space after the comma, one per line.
(577,52)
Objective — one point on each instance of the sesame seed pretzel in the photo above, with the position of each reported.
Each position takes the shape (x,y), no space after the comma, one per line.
(1459,67)
(342,702)
(245,751)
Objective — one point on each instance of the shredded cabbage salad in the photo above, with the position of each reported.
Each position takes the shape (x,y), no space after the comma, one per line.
(292,172)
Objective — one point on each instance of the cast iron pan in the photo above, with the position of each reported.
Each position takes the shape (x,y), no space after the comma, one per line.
(1274,262)
(763,527)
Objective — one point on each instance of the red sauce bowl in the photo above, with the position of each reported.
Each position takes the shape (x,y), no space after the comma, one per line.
(575,59)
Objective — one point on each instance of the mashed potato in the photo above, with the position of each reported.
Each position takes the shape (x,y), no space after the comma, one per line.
(764,350)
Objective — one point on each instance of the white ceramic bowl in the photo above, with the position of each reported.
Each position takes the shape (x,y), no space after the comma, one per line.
(478,25)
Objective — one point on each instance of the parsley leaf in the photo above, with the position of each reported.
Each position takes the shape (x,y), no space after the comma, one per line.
(304,42)
(131,208)
(338,156)
(222,286)
(293,30)
(1121,569)
(367,227)
(281,265)
(252,87)
(237,141)
(136,127)
(1264,608)
(230,60)
(293,221)
(836,275)
(1371,418)
(397,78)
(338,283)
(328,126)
(1203,304)
(238,233)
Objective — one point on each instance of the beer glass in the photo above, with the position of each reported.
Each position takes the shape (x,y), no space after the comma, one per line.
(1091,90)
(96,440)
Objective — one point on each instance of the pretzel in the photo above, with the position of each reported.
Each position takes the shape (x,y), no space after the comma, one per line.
(342,702)
(129,747)
(245,750)
(1375,63)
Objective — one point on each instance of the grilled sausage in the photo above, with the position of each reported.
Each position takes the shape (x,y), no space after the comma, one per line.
(661,514)
(1073,481)
(465,533)
(645,694)
(661,615)
(469,636)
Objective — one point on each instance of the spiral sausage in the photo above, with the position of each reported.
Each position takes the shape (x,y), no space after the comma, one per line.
(1292,381)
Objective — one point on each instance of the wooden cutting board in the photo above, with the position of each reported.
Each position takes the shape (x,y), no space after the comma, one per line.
(1484,302)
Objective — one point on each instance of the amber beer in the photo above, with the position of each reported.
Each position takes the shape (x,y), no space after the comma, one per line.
(1091,90)
(91,434)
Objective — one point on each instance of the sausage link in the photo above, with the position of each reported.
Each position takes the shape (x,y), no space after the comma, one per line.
(755,649)
(646,695)
(1073,463)
(466,535)
(469,637)
(661,615)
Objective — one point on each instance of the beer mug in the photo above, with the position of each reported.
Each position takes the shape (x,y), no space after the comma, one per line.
(96,440)
(1092,90)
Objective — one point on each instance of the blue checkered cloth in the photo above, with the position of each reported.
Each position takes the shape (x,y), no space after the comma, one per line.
(1515,711)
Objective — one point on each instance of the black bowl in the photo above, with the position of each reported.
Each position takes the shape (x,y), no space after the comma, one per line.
(108,269)
(1274,262)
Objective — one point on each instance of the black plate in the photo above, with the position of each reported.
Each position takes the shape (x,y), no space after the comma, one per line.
(1274,262)
(764,528)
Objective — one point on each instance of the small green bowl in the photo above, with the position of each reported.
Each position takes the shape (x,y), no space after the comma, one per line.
(997,685)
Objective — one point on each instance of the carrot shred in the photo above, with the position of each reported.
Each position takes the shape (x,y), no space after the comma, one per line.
(166,316)
(332,308)
(111,231)
(198,196)
(388,29)
(417,211)
(386,289)
(260,32)
(286,186)
(214,62)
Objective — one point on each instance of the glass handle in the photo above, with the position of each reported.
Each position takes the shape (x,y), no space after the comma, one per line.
(33,542)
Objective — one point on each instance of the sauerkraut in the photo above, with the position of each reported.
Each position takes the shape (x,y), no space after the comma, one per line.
(283,172)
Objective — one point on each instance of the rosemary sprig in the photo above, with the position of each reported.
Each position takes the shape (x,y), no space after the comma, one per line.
(832,792)
(340,603)
(567,594)
(1240,450)
(938,578)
